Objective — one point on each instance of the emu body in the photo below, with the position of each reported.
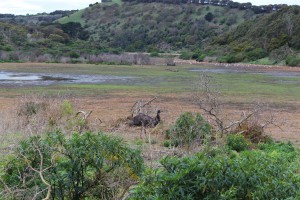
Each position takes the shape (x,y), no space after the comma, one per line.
(145,120)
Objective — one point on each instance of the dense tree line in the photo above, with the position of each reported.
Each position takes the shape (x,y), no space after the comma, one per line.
(223,3)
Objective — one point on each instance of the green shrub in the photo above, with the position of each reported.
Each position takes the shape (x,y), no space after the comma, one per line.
(83,166)
(255,174)
(237,142)
(209,16)
(74,54)
(154,54)
(286,150)
(186,55)
(188,129)
(293,61)
(67,108)
(200,58)
(256,54)
(195,56)
(6,48)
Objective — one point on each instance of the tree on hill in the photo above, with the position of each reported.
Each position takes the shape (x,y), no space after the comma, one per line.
(75,30)
(209,16)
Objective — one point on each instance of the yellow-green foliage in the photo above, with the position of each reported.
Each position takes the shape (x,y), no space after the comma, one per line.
(83,166)
(266,173)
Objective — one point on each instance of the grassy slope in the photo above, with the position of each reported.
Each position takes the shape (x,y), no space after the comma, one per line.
(75,17)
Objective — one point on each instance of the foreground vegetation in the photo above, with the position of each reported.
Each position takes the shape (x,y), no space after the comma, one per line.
(89,165)
(268,172)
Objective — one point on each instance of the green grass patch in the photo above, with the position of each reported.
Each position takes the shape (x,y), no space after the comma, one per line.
(75,17)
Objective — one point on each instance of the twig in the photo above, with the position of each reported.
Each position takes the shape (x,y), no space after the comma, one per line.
(40,171)
(5,186)
(141,105)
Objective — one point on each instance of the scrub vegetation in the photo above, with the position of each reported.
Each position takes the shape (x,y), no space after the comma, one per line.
(70,132)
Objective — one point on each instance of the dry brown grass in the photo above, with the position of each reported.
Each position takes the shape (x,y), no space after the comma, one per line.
(111,116)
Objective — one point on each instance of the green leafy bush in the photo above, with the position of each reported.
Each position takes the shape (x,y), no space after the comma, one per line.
(74,54)
(270,173)
(87,165)
(256,54)
(188,129)
(154,54)
(209,16)
(200,58)
(237,142)
(186,55)
(293,61)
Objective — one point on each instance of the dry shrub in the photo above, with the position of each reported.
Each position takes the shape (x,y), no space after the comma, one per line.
(36,114)
(252,131)
(119,123)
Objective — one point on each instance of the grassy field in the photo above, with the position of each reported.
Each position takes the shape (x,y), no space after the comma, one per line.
(162,79)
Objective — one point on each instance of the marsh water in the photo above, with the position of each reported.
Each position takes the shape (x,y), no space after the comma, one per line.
(35,79)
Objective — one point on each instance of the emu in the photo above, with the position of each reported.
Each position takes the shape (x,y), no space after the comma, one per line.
(145,121)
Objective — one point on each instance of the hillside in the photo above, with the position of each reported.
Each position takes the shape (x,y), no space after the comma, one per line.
(226,32)
(159,26)
(275,35)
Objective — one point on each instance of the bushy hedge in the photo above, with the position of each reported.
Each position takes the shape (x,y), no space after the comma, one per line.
(265,173)
(251,55)
(237,142)
(88,165)
(293,61)
(187,129)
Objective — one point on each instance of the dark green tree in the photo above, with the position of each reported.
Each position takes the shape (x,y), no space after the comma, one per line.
(209,16)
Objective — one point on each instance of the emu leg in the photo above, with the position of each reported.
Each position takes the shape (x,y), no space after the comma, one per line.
(142,130)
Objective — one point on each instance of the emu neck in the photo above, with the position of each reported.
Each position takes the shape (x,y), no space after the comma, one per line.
(157,117)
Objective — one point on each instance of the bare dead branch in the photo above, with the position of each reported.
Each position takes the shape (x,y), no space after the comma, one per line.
(84,113)
(7,189)
(139,105)
(208,100)
(40,171)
